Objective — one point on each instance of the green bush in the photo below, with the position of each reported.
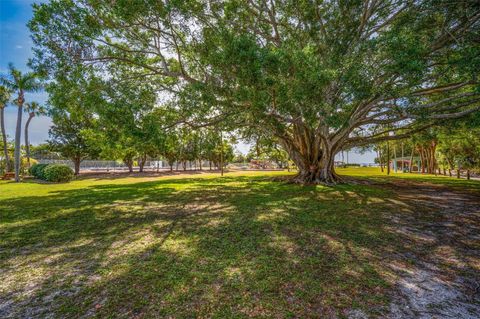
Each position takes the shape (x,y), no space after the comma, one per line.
(37,170)
(32,169)
(58,173)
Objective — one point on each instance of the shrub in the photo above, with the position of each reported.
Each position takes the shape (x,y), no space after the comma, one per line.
(37,170)
(32,169)
(58,173)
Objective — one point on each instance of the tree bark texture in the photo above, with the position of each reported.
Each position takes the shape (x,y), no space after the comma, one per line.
(4,137)
(18,135)
(313,156)
(31,115)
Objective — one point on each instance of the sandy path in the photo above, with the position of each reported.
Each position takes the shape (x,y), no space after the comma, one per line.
(439,268)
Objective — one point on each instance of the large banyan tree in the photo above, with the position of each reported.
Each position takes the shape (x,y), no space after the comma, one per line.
(319,76)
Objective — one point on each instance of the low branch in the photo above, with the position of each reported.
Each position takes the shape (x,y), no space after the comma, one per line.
(372,140)
(442,88)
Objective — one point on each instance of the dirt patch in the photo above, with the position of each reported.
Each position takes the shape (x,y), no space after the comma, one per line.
(437,267)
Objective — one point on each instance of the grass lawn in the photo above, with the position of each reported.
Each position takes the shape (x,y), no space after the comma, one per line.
(202,246)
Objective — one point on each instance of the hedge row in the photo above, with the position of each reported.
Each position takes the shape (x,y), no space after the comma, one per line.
(52,172)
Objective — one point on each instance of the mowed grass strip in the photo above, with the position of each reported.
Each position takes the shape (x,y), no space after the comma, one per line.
(239,246)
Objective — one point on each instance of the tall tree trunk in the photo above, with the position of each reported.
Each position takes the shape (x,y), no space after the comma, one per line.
(27,144)
(184,164)
(422,159)
(379,156)
(403,162)
(76,163)
(4,137)
(468,174)
(221,154)
(18,135)
(200,164)
(141,162)
(433,159)
(388,158)
(450,167)
(411,160)
(395,162)
(129,163)
(428,160)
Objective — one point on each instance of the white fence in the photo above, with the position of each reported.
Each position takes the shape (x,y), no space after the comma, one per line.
(102,165)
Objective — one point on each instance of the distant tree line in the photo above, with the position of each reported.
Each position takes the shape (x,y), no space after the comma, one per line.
(437,150)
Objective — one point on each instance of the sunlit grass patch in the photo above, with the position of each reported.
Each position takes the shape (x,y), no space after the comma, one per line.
(376,174)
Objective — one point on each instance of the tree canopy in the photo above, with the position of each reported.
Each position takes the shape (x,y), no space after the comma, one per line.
(318,76)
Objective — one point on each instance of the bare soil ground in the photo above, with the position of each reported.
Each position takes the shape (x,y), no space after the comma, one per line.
(439,268)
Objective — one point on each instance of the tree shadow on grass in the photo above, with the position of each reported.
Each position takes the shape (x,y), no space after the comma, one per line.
(227,247)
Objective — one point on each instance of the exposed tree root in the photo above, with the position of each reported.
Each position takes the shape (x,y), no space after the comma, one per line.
(309,178)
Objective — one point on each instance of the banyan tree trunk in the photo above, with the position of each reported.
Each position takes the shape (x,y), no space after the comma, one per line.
(323,173)
(429,162)
(313,158)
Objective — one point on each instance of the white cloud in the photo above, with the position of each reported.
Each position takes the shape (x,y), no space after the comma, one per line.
(18,47)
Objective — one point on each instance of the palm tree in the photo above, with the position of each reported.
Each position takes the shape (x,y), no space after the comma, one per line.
(4,98)
(33,109)
(20,83)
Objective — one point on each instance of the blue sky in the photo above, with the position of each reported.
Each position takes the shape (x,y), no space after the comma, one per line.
(15,47)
